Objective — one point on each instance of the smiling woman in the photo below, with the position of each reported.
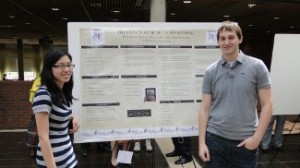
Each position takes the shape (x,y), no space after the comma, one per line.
(62,70)
(53,113)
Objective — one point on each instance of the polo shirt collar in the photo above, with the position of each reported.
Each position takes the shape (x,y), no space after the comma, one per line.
(240,58)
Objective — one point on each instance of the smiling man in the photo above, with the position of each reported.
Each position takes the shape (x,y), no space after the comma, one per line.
(229,130)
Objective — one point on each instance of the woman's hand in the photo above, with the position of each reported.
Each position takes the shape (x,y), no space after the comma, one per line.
(75,124)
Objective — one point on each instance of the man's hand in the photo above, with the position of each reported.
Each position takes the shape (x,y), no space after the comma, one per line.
(204,153)
(250,143)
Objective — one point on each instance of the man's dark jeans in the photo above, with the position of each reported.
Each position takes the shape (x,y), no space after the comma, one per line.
(224,153)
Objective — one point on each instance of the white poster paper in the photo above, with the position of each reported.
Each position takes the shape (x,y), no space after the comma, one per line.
(139,80)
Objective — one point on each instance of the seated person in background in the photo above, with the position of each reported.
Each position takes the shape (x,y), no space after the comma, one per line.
(4,77)
(114,148)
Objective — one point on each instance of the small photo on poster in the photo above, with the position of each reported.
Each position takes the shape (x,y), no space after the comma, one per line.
(150,95)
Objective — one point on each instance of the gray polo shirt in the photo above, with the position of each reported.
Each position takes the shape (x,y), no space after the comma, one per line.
(234,93)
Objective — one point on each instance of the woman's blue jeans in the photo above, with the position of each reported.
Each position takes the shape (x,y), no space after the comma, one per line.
(224,153)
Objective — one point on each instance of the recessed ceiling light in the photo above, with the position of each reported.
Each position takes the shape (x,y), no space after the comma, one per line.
(27,23)
(226,16)
(116,11)
(64,18)
(291,27)
(172,14)
(251,5)
(55,9)
(276,18)
(251,25)
(11,16)
(187,2)
(268,31)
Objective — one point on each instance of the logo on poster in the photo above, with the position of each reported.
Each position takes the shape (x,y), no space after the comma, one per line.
(97,37)
(211,38)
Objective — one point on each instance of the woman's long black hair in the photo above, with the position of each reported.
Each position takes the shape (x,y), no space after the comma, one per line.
(47,78)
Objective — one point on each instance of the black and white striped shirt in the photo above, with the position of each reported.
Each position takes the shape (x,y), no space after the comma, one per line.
(59,116)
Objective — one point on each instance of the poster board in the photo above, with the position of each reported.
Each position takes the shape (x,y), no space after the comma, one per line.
(285,74)
(139,80)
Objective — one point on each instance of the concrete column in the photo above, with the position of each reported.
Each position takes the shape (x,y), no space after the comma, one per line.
(158,11)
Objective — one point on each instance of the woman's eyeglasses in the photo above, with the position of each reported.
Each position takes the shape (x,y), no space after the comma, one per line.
(63,66)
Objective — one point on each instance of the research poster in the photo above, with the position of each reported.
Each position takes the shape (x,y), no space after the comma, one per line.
(139,80)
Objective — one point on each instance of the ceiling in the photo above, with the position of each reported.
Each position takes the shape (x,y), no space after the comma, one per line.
(34,19)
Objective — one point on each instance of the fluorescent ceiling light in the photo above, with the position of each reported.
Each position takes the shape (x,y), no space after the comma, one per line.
(187,2)
(276,18)
(251,5)
(96,5)
(55,9)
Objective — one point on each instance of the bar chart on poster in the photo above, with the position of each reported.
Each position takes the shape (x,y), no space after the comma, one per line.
(139,80)
(285,74)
